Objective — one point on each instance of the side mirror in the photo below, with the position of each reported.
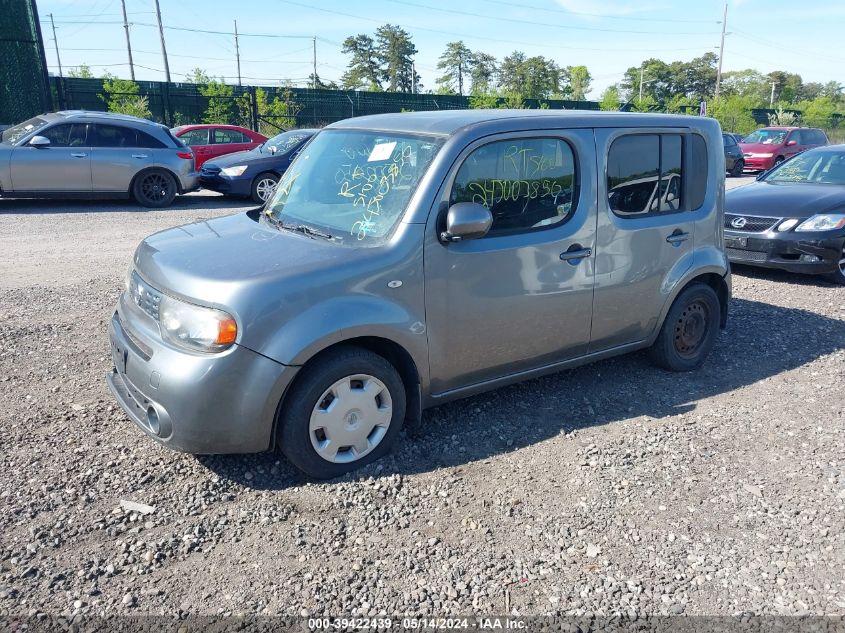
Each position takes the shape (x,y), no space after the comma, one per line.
(791,143)
(39,141)
(466,221)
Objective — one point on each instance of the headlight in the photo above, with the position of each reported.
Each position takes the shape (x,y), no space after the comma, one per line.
(823,222)
(233,171)
(763,155)
(787,224)
(196,328)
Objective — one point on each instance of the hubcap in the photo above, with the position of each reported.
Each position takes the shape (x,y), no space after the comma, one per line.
(154,187)
(265,188)
(691,328)
(350,419)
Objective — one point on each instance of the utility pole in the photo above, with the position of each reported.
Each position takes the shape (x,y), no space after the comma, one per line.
(642,72)
(721,52)
(56,42)
(237,52)
(163,48)
(314,43)
(413,78)
(772,98)
(128,44)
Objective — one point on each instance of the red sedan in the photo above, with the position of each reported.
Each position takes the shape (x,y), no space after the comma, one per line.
(210,140)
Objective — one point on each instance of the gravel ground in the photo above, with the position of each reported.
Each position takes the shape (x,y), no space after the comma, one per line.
(611,488)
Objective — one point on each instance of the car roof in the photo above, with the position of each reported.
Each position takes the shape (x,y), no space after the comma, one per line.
(94,116)
(203,126)
(448,122)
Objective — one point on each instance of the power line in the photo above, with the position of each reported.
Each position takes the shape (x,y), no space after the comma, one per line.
(509,3)
(535,23)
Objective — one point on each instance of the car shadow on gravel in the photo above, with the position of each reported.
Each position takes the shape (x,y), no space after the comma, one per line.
(781,276)
(760,342)
(181,203)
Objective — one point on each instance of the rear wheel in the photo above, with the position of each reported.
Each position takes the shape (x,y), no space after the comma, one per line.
(838,276)
(154,188)
(689,331)
(263,187)
(738,168)
(345,411)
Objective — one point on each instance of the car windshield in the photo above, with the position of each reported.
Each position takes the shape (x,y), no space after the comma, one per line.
(352,184)
(285,141)
(17,132)
(826,168)
(766,137)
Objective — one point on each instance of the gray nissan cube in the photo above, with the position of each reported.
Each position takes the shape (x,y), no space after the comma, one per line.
(406,260)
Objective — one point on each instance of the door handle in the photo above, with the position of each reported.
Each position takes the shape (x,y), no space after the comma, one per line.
(139,156)
(79,154)
(677,237)
(575,254)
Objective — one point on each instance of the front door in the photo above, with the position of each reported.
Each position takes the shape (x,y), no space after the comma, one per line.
(63,165)
(645,232)
(520,297)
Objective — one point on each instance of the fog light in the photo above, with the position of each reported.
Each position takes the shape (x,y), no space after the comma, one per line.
(810,259)
(152,420)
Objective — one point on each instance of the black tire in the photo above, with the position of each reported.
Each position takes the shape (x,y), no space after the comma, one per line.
(778,161)
(294,437)
(689,331)
(259,184)
(838,276)
(738,167)
(155,188)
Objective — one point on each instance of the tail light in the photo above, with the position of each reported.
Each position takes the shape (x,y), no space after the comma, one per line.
(185,155)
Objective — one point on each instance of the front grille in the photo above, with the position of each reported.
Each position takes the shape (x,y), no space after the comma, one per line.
(209,171)
(752,224)
(144,296)
(747,256)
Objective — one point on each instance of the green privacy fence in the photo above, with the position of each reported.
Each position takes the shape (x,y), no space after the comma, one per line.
(23,76)
(181,103)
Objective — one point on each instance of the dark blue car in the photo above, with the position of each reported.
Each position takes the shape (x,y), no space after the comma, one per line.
(254,174)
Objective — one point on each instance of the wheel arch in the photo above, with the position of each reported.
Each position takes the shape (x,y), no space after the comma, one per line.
(147,170)
(392,352)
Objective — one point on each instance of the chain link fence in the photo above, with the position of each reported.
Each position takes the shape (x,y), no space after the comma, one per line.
(24,91)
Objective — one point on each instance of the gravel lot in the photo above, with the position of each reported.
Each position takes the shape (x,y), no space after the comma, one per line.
(611,488)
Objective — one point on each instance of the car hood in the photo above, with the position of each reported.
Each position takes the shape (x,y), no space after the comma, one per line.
(794,200)
(759,148)
(247,157)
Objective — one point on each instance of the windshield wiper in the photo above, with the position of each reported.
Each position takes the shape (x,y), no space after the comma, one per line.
(310,231)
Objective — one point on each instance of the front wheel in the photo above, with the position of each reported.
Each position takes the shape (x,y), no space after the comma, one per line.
(689,331)
(154,188)
(263,187)
(838,275)
(738,168)
(345,411)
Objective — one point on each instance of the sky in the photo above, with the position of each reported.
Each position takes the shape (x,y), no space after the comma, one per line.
(607,36)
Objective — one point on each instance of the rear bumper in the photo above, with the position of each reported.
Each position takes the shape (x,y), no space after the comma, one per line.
(197,403)
(812,253)
(189,182)
(229,186)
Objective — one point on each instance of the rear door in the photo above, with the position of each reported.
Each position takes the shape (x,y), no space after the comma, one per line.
(117,154)
(225,141)
(198,140)
(644,235)
(63,165)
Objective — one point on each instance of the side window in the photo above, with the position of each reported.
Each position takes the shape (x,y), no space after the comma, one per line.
(67,135)
(113,136)
(195,137)
(644,174)
(728,140)
(229,136)
(527,184)
(147,141)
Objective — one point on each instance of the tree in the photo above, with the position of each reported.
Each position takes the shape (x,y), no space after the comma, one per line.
(578,79)
(124,96)
(610,100)
(530,77)
(733,112)
(818,113)
(319,84)
(787,85)
(511,76)
(746,83)
(364,70)
(197,76)
(832,89)
(276,114)
(223,106)
(80,72)
(484,100)
(783,117)
(395,53)
(455,61)
(484,69)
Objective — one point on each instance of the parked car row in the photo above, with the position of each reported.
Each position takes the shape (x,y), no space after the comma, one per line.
(768,147)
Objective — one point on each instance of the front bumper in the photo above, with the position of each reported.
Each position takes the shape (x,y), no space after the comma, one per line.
(758,163)
(197,403)
(812,253)
(240,186)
